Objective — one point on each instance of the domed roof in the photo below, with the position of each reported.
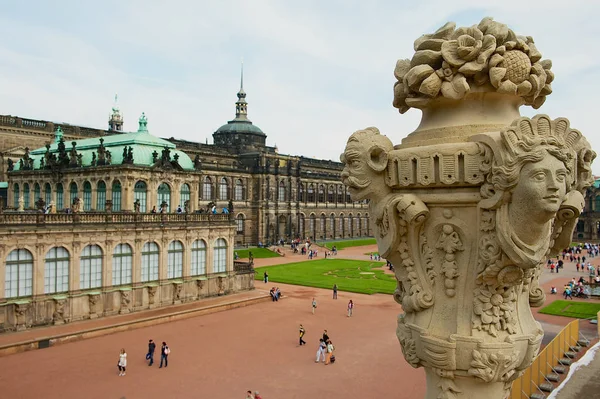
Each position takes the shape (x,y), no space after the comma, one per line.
(142,143)
(240,126)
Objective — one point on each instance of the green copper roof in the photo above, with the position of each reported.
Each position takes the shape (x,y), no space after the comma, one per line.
(142,143)
(240,126)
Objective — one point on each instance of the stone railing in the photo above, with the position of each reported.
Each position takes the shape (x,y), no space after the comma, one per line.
(9,219)
(240,267)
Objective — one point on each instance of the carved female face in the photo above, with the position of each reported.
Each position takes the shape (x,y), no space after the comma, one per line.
(540,191)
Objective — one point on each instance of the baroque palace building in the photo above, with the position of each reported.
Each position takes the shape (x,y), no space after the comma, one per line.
(588,226)
(79,238)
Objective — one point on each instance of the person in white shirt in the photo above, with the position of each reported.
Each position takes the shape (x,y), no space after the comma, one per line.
(122,362)
(321,351)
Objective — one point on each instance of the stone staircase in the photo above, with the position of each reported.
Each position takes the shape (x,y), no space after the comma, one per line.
(552,379)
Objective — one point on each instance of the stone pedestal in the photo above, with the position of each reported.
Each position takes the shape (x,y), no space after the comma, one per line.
(469,206)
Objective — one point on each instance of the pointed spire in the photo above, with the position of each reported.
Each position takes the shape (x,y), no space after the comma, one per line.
(242,77)
(241,106)
(143,124)
(58,134)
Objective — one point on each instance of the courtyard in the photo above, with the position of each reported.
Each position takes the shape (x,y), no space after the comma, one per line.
(222,355)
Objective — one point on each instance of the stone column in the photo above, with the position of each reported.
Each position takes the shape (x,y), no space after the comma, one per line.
(469,205)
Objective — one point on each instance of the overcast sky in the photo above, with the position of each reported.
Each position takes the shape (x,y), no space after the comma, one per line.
(314,71)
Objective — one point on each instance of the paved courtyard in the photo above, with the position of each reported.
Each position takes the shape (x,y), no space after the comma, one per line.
(222,355)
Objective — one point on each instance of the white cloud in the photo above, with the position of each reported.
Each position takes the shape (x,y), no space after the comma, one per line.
(315,71)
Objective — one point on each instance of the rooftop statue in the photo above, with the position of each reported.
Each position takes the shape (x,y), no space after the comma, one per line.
(469,205)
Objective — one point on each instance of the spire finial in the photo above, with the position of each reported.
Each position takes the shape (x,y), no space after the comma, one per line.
(58,134)
(143,124)
(116,98)
(242,77)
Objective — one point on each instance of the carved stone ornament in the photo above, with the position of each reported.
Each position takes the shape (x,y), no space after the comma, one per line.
(151,293)
(58,316)
(125,300)
(469,205)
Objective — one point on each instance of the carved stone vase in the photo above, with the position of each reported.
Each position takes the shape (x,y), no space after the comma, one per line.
(469,205)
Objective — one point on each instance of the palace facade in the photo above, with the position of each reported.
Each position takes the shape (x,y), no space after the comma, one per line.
(274,196)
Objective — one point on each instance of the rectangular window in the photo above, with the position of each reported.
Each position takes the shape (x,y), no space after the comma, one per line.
(101,200)
(59,201)
(175,267)
(19,280)
(116,200)
(141,196)
(198,261)
(150,267)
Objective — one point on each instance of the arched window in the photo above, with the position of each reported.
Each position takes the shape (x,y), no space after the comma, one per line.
(198,258)
(321,193)
(150,254)
(348,199)
(301,197)
(19,274)
(164,195)
(90,274)
(350,225)
(60,202)
(340,194)
(313,219)
(37,193)
(223,189)
(175,261)
(301,226)
(281,194)
(72,193)
(47,193)
(239,223)
(311,193)
(332,225)
(366,225)
(184,195)
(239,190)
(16,195)
(220,256)
(342,232)
(121,264)
(330,194)
(358,225)
(597,204)
(207,192)
(101,196)
(322,226)
(26,202)
(116,197)
(56,271)
(139,194)
(87,196)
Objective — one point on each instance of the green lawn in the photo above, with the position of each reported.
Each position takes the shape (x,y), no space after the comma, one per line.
(349,243)
(324,273)
(256,252)
(579,310)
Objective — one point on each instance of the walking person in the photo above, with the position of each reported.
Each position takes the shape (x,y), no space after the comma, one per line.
(302,332)
(150,354)
(325,336)
(314,305)
(330,349)
(321,351)
(266,277)
(122,362)
(350,308)
(164,355)
(335,291)
(249,395)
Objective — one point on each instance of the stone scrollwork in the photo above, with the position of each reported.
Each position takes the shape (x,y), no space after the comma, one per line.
(493,367)
(407,343)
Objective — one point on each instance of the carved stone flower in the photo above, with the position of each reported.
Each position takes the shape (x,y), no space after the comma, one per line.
(469,50)
(493,307)
(514,69)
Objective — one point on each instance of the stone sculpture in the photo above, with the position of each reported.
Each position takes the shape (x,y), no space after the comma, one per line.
(125,300)
(58,316)
(470,204)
